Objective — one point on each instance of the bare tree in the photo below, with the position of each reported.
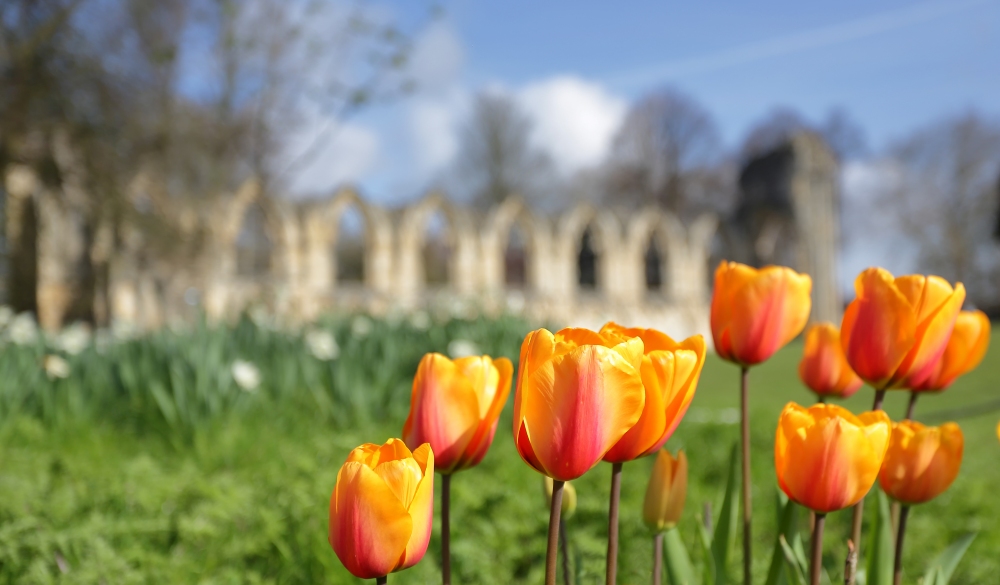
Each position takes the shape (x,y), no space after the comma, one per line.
(665,153)
(840,131)
(496,158)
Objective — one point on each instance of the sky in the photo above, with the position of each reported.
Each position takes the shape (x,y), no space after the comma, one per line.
(575,67)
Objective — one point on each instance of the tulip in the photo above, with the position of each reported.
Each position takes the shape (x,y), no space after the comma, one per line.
(455,405)
(921,462)
(896,329)
(756,312)
(578,393)
(666,491)
(965,350)
(825,457)
(382,507)
(823,368)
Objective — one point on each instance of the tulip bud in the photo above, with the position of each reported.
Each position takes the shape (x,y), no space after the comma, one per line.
(965,350)
(756,312)
(825,457)
(666,491)
(382,508)
(896,329)
(670,373)
(578,393)
(568,500)
(922,462)
(455,406)
(823,368)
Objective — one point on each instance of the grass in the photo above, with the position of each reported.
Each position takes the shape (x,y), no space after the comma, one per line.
(98,486)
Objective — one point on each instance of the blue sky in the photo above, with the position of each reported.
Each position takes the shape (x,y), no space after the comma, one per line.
(576,66)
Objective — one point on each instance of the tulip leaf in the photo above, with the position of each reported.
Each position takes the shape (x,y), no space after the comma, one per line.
(676,559)
(724,538)
(708,562)
(880,551)
(786,527)
(794,571)
(942,567)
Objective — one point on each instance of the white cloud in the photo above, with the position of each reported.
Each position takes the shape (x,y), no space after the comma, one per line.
(434,125)
(330,154)
(575,120)
(437,58)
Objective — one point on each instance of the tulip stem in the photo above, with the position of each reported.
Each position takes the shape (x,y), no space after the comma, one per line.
(816,566)
(446,529)
(564,545)
(381,580)
(745,439)
(821,399)
(553,546)
(879,398)
(859,509)
(616,490)
(911,405)
(897,570)
(657,558)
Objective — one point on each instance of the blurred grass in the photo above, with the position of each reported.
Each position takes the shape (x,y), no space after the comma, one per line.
(100,484)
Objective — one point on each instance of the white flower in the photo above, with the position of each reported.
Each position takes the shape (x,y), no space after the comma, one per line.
(515,302)
(420,321)
(322,344)
(246,375)
(6,314)
(22,329)
(55,367)
(459,348)
(124,330)
(74,339)
(103,340)
(361,326)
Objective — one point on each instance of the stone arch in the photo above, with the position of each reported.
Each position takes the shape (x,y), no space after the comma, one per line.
(653,239)
(496,238)
(603,231)
(412,238)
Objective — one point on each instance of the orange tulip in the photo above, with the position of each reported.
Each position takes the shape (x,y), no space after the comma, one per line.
(965,350)
(578,392)
(670,373)
(896,328)
(823,368)
(825,457)
(382,507)
(756,312)
(666,491)
(921,462)
(455,405)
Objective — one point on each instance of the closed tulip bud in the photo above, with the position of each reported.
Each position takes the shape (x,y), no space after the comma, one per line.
(755,312)
(578,392)
(666,491)
(922,462)
(965,350)
(896,329)
(568,500)
(823,368)
(825,457)
(382,508)
(455,405)
(670,373)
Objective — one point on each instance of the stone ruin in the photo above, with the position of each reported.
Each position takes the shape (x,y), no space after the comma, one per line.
(582,267)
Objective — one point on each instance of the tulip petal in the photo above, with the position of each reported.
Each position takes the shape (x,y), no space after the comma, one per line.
(688,364)
(421,509)
(965,351)
(932,333)
(369,527)
(537,347)
(921,462)
(729,278)
(657,373)
(773,308)
(878,329)
(483,438)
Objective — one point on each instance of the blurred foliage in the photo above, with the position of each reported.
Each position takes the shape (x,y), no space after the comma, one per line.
(149,463)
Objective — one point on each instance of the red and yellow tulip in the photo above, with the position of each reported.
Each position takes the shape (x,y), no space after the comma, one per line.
(823,368)
(670,373)
(965,350)
(578,393)
(825,457)
(382,507)
(896,329)
(922,462)
(666,491)
(455,405)
(755,312)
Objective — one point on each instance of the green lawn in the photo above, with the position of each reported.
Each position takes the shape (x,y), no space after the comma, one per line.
(90,495)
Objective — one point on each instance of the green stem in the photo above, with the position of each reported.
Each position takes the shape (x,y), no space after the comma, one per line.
(657,558)
(616,490)
(816,564)
(745,439)
(553,547)
(897,568)
(446,529)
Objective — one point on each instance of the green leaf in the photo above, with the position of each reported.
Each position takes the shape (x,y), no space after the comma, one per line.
(708,562)
(794,571)
(880,551)
(787,512)
(724,538)
(942,567)
(676,559)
